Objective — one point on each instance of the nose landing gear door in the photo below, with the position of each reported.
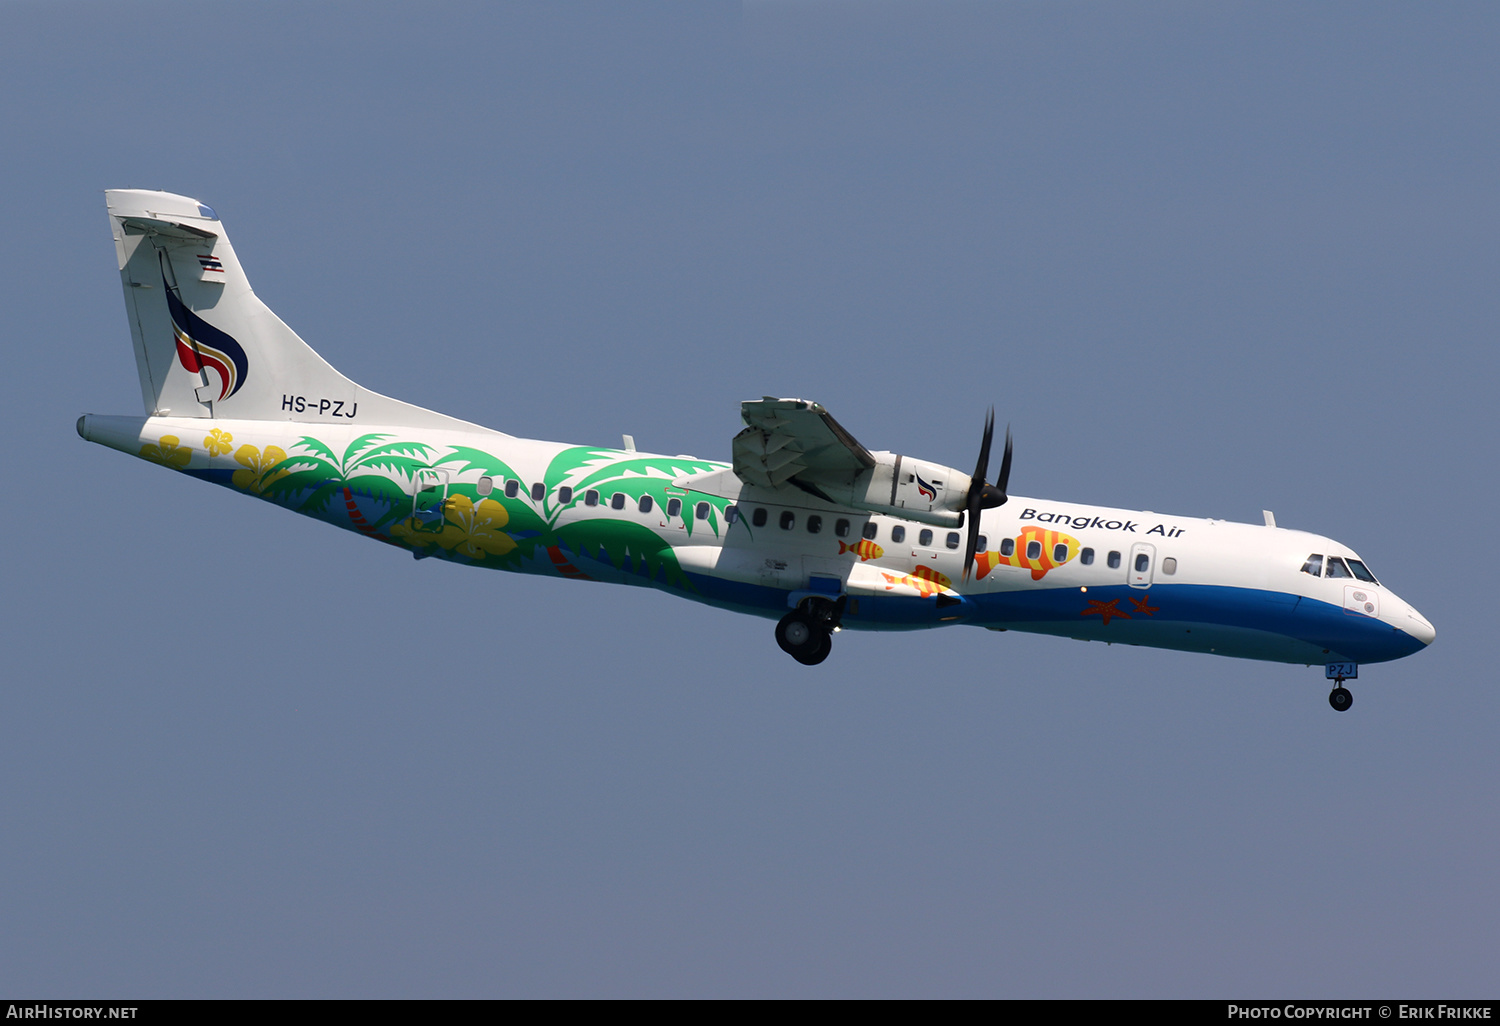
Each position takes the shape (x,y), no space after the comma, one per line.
(1142,564)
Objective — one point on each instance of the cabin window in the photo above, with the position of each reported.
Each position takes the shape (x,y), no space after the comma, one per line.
(841,528)
(565,495)
(537,491)
(1060,553)
(924,537)
(870,530)
(485,486)
(983,545)
(731,514)
(1114,561)
(814,524)
(617,500)
(1007,547)
(645,504)
(1142,563)
(1033,549)
(1086,557)
(701,511)
(1314,565)
(952,540)
(512,489)
(674,507)
(1169,565)
(591,497)
(788,520)
(758,518)
(898,533)
(1362,572)
(1336,568)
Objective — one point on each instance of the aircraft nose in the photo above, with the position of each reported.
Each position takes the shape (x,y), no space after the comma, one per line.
(1417,626)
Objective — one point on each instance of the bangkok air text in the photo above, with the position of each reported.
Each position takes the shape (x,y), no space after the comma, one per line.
(1084,521)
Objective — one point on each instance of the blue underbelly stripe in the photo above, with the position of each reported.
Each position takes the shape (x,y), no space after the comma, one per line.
(1141,616)
(1314,622)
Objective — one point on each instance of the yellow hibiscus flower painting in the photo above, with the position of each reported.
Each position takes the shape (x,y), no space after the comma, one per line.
(258,474)
(218,442)
(471,529)
(168,452)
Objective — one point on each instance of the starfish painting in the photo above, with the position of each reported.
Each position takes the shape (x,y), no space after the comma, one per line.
(1143,605)
(1104,609)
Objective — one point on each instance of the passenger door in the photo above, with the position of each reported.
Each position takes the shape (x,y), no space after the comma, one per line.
(429,496)
(1142,564)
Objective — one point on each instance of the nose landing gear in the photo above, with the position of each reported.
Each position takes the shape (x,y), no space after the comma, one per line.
(806,633)
(1339,697)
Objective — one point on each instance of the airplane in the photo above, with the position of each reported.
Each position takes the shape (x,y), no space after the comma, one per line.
(805,525)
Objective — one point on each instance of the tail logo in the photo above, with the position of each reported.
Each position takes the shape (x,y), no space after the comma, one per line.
(201,345)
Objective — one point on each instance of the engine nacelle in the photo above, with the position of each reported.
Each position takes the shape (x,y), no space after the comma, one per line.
(793,442)
(928,493)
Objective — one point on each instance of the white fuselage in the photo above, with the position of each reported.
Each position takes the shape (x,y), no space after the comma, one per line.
(689,526)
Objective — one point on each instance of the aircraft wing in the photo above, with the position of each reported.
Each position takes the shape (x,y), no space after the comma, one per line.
(795,442)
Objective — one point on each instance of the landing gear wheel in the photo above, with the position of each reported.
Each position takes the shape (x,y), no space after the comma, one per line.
(796,633)
(1340,699)
(818,654)
(803,638)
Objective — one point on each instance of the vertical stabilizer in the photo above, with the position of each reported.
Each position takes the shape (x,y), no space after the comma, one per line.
(205,345)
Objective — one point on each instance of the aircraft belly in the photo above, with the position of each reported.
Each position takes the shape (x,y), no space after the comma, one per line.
(1211,639)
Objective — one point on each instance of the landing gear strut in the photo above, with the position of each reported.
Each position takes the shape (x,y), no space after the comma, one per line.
(1340,698)
(806,633)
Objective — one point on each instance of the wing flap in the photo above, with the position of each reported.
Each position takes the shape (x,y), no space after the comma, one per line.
(795,441)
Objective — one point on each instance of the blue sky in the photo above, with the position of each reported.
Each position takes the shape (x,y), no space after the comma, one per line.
(1205,259)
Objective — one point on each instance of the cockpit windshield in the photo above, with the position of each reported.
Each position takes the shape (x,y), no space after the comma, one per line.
(1338,566)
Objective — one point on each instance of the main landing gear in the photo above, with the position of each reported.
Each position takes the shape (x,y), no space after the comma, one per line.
(806,633)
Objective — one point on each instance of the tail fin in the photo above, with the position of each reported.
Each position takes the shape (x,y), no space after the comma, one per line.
(205,345)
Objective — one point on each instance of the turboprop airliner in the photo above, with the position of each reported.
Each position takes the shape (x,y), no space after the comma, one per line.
(805,525)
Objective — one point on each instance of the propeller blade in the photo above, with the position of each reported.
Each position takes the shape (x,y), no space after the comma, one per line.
(983,495)
(1003,485)
(973,540)
(982,468)
(974,501)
